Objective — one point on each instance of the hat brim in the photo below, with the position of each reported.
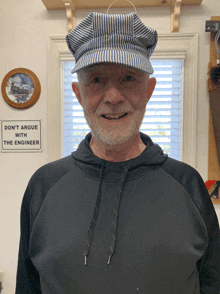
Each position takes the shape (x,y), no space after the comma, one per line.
(128,58)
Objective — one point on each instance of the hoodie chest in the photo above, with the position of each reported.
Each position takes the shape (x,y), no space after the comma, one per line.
(152,221)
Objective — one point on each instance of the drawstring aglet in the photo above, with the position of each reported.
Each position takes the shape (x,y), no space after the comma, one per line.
(85,260)
(109,259)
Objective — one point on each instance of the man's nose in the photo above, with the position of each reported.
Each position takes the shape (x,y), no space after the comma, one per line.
(113,94)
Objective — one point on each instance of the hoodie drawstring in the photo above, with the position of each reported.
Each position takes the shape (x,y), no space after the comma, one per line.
(94,218)
(116,215)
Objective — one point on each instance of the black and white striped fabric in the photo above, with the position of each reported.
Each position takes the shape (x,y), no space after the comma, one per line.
(121,39)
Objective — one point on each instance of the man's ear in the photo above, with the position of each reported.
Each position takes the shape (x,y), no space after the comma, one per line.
(75,87)
(151,86)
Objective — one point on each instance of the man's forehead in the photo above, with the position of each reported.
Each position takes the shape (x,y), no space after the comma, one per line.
(106,66)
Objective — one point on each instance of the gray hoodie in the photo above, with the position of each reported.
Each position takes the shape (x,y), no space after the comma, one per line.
(146,225)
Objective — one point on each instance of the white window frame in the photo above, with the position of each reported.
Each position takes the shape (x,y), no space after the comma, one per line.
(181,46)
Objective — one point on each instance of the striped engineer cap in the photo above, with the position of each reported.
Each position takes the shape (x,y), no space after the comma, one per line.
(121,39)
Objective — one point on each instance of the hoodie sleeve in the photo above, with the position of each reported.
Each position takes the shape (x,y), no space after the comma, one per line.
(209,265)
(27,280)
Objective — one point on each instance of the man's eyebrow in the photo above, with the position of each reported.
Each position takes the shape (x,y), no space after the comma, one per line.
(134,71)
(90,68)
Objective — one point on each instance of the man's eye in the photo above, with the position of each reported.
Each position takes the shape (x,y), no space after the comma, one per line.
(96,80)
(128,78)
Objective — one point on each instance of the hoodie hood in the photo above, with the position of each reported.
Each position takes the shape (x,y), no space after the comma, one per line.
(116,171)
(152,155)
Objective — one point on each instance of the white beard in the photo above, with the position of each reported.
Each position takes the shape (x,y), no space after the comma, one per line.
(117,135)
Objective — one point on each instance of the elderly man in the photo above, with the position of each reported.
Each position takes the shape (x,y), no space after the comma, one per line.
(118,216)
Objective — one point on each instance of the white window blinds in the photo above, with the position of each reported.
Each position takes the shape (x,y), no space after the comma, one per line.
(163,116)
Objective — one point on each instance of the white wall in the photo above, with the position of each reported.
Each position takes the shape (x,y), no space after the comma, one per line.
(25,27)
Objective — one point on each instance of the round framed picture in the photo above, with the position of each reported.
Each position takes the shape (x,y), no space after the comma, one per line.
(21,88)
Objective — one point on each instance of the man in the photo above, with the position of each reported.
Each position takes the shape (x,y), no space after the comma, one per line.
(117,216)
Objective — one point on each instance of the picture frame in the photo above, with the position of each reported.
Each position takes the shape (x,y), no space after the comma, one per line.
(20,88)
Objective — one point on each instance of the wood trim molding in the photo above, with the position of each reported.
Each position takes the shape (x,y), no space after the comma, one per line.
(100,4)
(71,15)
(175,16)
(72,5)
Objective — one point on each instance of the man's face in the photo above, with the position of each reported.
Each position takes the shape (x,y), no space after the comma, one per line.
(114,99)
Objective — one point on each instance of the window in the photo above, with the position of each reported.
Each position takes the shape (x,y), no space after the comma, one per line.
(163,116)
(170,47)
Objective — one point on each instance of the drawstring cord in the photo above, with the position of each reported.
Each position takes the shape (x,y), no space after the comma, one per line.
(94,218)
(116,215)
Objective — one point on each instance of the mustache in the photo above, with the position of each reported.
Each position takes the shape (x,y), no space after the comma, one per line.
(114,109)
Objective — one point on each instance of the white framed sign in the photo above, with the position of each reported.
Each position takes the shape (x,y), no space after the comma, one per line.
(21,136)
